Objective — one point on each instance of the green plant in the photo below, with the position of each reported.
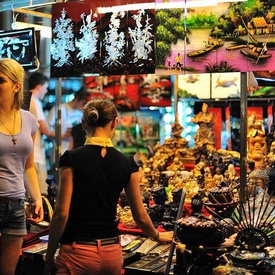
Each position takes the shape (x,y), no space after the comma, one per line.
(223,66)
(184,94)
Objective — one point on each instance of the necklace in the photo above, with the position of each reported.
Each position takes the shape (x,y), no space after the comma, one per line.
(14,140)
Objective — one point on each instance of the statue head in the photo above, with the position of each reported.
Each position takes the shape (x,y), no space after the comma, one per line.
(204,107)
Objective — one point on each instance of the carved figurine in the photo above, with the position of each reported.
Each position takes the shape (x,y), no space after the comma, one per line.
(204,116)
(271,154)
(257,151)
(205,135)
(176,127)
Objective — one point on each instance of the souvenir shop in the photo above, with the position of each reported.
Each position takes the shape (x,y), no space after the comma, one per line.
(194,84)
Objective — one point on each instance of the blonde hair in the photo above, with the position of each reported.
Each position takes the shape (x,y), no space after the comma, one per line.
(15,72)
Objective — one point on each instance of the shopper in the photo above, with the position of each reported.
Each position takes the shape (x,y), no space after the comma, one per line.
(91,180)
(71,114)
(17,133)
(78,136)
(38,86)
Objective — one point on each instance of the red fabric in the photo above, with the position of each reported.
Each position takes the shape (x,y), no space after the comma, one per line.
(188,209)
(217,127)
(33,238)
(137,231)
(134,231)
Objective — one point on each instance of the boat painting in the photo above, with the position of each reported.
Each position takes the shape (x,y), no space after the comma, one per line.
(208,48)
(255,55)
(237,34)
(236,47)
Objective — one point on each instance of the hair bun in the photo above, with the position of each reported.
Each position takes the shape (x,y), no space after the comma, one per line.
(94,114)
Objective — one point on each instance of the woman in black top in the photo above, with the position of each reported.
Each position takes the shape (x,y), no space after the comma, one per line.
(91,180)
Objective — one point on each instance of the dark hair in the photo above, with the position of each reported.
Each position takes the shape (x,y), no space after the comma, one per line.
(82,94)
(37,79)
(98,113)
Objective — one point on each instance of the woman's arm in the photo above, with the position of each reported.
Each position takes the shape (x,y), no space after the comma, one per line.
(32,187)
(139,212)
(45,129)
(60,215)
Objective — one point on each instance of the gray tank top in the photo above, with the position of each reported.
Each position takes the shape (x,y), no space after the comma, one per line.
(13,157)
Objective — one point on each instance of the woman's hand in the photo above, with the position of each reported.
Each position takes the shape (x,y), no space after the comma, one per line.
(166,237)
(37,213)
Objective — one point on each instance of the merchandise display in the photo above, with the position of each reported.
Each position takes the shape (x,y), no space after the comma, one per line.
(220,194)
(196,231)
(213,221)
(218,221)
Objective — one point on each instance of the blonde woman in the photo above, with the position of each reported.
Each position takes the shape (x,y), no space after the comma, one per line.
(17,172)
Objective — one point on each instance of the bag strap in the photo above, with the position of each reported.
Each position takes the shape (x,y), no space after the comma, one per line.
(49,208)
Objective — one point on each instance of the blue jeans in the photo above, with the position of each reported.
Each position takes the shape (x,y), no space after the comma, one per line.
(12,217)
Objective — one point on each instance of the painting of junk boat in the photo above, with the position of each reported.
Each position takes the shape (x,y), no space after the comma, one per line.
(228,37)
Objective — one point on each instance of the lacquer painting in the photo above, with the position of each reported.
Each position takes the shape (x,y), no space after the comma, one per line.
(194,86)
(125,135)
(71,48)
(102,38)
(227,37)
(123,90)
(155,90)
(148,125)
(225,85)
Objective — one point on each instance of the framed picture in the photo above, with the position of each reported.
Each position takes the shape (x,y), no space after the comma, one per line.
(224,85)
(194,85)
(125,135)
(155,90)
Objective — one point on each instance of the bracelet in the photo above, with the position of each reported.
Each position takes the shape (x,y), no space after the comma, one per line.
(156,239)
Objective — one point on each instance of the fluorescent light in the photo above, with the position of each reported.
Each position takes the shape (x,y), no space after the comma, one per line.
(225,1)
(37,5)
(188,4)
(33,13)
(139,6)
(164,5)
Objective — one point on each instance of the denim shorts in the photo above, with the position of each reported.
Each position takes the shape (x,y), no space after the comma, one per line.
(12,217)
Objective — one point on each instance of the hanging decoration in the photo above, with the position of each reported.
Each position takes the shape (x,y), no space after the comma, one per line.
(148,125)
(122,90)
(225,85)
(194,86)
(225,37)
(155,90)
(90,39)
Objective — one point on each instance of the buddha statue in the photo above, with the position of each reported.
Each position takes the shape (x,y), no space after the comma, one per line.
(257,151)
(204,138)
